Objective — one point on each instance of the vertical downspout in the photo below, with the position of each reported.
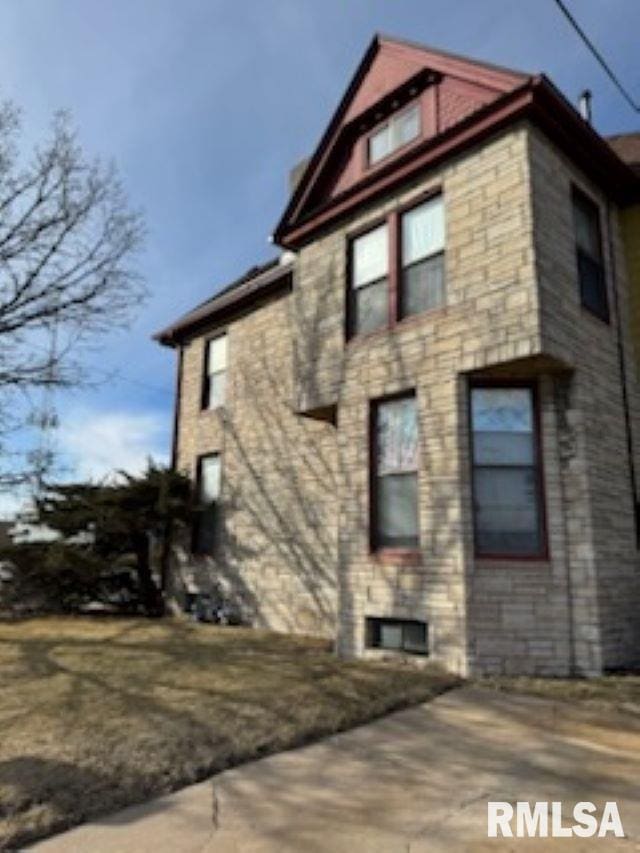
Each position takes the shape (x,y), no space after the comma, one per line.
(176,411)
(165,557)
(623,376)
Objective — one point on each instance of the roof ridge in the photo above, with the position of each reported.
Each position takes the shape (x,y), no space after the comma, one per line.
(450,54)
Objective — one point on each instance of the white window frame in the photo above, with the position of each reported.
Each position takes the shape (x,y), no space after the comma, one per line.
(207,403)
(392,128)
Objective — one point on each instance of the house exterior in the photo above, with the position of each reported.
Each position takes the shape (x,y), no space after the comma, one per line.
(417,431)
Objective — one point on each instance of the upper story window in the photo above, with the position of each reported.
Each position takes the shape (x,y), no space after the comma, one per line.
(398,131)
(591,274)
(215,373)
(370,280)
(206,529)
(422,258)
(396,269)
(507,479)
(394,474)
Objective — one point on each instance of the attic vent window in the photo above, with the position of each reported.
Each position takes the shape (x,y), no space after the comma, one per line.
(398,131)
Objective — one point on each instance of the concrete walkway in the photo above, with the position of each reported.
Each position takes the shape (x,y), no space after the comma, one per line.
(417,781)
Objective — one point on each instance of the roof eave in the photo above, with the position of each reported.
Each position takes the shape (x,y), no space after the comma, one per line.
(179,332)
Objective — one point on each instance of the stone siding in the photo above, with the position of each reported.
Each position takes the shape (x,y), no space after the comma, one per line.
(296,545)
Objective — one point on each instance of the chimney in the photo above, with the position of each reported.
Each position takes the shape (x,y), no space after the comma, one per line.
(584,105)
(296,174)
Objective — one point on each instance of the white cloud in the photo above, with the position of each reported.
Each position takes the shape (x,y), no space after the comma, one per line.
(96,444)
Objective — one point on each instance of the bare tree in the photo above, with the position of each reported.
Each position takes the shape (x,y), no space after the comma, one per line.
(67,237)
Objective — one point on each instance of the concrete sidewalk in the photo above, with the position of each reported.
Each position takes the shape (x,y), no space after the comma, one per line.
(418,780)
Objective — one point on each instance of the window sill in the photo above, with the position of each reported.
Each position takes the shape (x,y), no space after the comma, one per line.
(541,561)
(398,325)
(397,556)
(604,319)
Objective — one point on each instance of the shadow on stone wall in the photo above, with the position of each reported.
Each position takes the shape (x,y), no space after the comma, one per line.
(295,507)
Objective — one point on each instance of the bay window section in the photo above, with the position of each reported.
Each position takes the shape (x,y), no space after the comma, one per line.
(215,373)
(206,530)
(369,295)
(394,475)
(508,505)
(422,258)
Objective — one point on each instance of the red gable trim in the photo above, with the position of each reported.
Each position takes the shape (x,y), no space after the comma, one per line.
(426,155)
(318,158)
(537,100)
(495,77)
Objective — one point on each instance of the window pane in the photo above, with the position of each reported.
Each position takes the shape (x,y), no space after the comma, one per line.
(397,511)
(503,448)
(502,410)
(397,436)
(423,231)
(207,527)
(379,144)
(593,288)
(390,636)
(587,225)
(415,637)
(371,307)
(406,126)
(217,387)
(370,256)
(506,511)
(217,354)
(423,286)
(209,478)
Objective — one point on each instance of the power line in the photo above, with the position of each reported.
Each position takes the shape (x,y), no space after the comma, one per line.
(600,58)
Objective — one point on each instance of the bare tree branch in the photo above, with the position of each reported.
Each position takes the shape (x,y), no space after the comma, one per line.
(67,241)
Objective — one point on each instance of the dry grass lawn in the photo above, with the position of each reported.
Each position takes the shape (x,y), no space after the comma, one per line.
(95,715)
(616,692)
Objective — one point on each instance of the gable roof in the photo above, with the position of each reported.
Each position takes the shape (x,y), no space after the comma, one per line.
(389,65)
(259,282)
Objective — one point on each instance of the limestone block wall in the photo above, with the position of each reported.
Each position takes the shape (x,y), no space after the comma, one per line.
(295,548)
(490,318)
(490,314)
(277,555)
(603,555)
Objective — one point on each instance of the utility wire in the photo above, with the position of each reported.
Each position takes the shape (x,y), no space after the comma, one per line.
(600,58)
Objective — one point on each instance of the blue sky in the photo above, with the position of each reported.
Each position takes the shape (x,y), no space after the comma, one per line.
(206,104)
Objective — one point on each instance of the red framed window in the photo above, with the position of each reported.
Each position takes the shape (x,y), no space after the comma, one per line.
(394,474)
(396,268)
(422,258)
(508,500)
(369,286)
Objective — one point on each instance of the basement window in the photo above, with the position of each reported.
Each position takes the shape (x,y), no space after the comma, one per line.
(397,635)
